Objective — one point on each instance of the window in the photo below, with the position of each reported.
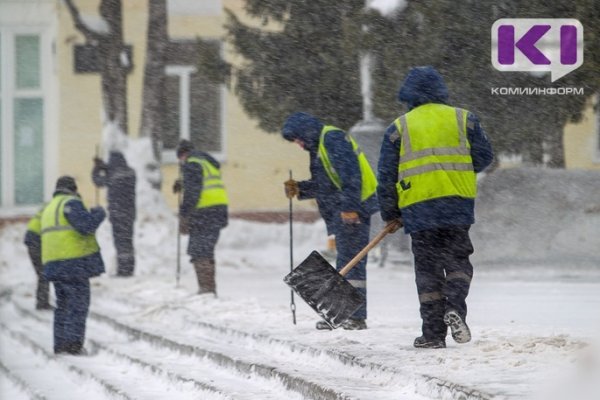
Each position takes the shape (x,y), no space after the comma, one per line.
(193,105)
(21,119)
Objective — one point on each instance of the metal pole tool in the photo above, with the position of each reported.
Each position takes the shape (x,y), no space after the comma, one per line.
(292,303)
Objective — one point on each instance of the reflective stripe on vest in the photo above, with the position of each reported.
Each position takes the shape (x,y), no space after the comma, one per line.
(60,241)
(35,223)
(435,155)
(213,190)
(368,180)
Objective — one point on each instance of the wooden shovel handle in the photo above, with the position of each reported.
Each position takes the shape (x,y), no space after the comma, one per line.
(352,263)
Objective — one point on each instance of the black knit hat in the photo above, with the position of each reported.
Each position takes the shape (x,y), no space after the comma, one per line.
(185,146)
(66,183)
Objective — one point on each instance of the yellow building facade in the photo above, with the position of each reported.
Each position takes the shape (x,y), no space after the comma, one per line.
(51,115)
(582,140)
(254,163)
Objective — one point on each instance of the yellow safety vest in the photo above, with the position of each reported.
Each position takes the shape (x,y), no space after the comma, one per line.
(60,241)
(35,223)
(369,182)
(435,155)
(213,190)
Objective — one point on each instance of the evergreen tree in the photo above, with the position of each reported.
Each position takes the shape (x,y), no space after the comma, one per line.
(303,58)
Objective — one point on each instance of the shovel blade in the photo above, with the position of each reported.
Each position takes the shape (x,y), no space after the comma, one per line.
(325,290)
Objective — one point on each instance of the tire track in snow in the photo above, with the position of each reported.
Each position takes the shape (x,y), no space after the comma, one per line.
(291,382)
(19,383)
(424,385)
(28,355)
(153,360)
(294,366)
(139,380)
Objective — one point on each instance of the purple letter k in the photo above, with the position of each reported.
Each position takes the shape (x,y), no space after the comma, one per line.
(506,45)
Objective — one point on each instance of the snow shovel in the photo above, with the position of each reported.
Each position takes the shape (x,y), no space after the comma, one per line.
(327,291)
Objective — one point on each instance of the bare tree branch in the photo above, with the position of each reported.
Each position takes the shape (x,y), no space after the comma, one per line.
(89,33)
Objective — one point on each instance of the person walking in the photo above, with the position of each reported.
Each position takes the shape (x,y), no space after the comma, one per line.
(344,186)
(120,181)
(70,256)
(427,170)
(34,248)
(203,211)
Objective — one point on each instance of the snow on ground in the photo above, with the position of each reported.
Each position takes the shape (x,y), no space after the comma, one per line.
(533,313)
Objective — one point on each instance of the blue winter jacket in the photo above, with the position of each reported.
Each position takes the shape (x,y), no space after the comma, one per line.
(425,85)
(79,268)
(330,200)
(120,179)
(215,217)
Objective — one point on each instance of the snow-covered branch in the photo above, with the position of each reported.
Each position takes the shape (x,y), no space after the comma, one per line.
(90,34)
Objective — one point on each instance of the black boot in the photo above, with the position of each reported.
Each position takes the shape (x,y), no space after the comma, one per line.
(425,343)
(354,324)
(460,330)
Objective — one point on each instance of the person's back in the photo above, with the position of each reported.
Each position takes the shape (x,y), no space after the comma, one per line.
(121,192)
(120,181)
(71,256)
(431,135)
(199,170)
(428,161)
(203,212)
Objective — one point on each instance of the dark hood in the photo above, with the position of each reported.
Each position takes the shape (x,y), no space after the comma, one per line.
(305,127)
(116,159)
(423,85)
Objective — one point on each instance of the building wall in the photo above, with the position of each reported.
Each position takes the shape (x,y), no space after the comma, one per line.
(581,140)
(255,163)
(80,103)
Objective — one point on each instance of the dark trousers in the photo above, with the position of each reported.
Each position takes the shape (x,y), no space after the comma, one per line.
(443,275)
(42,295)
(123,239)
(203,240)
(349,240)
(72,305)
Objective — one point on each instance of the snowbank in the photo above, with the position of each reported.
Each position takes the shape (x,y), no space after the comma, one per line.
(534,216)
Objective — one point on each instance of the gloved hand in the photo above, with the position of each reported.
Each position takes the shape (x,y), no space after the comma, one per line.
(184,226)
(291,188)
(177,186)
(99,163)
(350,217)
(394,225)
(98,212)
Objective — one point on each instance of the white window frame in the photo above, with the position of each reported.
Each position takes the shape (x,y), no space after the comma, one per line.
(184,72)
(8,33)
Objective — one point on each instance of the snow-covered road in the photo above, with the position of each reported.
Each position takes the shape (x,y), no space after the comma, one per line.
(145,345)
(533,331)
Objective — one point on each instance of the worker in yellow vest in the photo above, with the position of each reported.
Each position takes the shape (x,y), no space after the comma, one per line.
(34,248)
(71,256)
(344,187)
(203,211)
(428,161)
